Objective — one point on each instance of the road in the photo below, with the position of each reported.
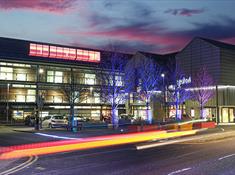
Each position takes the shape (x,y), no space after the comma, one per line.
(9,137)
(188,158)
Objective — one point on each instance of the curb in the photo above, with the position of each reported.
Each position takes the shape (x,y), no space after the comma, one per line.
(17,130)
(217,136)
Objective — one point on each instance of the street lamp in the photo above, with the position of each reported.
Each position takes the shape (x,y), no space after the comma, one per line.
(41,71)
(8,85)
(91,90)
(164,91)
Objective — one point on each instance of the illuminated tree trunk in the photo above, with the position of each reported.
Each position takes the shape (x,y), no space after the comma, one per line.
(115,118)
(201,111)
(71,119)
(148,111)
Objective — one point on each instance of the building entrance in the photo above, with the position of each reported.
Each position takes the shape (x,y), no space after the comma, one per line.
(227,115)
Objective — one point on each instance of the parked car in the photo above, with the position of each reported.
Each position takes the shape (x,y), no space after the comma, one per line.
(79,118)
(29,120)
(126,119)
(52,121)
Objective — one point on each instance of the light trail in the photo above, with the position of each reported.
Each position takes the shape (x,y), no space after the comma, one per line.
(87,143)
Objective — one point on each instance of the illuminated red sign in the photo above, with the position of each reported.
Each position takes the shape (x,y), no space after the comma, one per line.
(42,50)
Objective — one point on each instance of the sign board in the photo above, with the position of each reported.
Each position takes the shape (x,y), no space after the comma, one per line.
(183,81)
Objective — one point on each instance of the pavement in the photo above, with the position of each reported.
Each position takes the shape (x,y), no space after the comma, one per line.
(221,131)
(62,132)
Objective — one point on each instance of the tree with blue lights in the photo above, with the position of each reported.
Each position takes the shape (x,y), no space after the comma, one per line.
(147,80)
(178,91)
(111,77)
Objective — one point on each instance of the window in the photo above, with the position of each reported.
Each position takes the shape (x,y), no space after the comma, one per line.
(50,76)
(59,52)
(119,81)
(90,79)
(14,64)
(20,98)
(96,97)
(30,98)
(58,99)
(58,77)
(21,77)
(54,76)
(6,73)
(95,114)
(192,112)
(43,50)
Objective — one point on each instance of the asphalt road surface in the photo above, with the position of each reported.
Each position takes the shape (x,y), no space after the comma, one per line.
(188,158)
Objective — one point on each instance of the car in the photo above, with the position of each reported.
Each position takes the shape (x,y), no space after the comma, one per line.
(81,118)
(29,120)
(53,121)
(125,119)
(78,118)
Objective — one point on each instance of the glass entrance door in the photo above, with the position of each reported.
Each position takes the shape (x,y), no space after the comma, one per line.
(227,115)
(231,115)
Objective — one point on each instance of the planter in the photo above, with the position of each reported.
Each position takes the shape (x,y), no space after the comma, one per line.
(138,128)
(185,127)
(200,125)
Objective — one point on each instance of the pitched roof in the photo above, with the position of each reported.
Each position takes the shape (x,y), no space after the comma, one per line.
(158,56)
(219,44)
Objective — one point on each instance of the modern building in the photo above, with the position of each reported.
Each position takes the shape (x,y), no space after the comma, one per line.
(218,59)
(34,76)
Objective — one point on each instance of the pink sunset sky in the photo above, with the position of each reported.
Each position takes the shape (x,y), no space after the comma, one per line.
(158,26)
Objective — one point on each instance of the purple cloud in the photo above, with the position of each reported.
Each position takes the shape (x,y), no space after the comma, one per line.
(55,6)
(184,11)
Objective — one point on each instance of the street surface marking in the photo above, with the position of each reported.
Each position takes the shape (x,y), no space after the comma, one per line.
(100,152)
(187,154)
(151,145)
(179,171)
(29,162)
(54,136)
(224,157)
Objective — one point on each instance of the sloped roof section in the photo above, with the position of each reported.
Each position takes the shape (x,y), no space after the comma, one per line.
(161,59)
(158,56)
(219,44)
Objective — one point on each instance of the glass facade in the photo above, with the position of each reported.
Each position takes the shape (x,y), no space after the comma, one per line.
(23,87)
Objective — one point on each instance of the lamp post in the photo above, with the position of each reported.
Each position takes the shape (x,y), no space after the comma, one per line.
(91,90)
(38,73)
(164,91)
(8,85)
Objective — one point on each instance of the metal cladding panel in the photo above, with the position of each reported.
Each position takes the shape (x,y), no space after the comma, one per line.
(198,54)
(228,67)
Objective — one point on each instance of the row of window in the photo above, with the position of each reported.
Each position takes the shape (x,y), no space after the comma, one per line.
(14,64)
(50,99)
(6,73)
(50,51)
